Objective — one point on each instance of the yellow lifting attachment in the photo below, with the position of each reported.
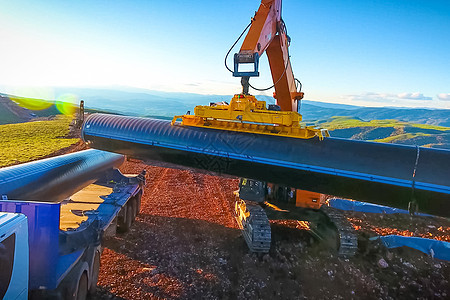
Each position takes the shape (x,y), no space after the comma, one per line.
(246,114)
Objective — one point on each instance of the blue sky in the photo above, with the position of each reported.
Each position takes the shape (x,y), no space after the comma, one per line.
(373,53)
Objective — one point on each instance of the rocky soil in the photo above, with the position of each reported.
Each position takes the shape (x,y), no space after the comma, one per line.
(185,245)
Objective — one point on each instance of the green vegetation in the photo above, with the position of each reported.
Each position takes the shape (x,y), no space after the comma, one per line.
(401,137)
(389,131)
(19,109)
(27,141)
(347,122)
(433,127)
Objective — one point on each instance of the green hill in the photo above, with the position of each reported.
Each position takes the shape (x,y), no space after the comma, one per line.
(15,109)
(31,140)
(389,131)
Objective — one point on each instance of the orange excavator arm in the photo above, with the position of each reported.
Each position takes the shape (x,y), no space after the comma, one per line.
(268,34)
(263,28)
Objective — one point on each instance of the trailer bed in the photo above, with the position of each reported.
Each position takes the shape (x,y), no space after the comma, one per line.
(88,199)
(65,231)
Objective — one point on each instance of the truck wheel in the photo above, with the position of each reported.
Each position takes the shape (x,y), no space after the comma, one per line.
(82,290)
(121,220)
(129,218)
(132,207)
(95,272)
(138,200)
(138,204)
(124,223)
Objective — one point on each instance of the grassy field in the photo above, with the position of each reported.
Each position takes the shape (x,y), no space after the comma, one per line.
(346,122)
(389,131)
(27,141)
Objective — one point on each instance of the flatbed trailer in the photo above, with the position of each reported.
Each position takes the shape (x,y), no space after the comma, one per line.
(65,237)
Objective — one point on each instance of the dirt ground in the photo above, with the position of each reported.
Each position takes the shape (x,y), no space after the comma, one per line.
(185,245)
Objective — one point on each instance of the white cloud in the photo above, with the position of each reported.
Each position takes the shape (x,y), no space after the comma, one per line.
(377,97)
(388,97)
(444,97)
(413,96)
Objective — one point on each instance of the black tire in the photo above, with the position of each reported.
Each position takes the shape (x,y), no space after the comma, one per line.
(121,220)
(95,273)
(126,221)
(82,290)
(138,203)
(130,216)
(134,204)
(131,210)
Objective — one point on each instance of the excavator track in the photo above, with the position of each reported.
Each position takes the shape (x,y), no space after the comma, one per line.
(255,226)
(328,225)
(348,239)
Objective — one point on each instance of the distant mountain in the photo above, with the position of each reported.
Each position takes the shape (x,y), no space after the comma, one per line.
(315,103)
(313,113)
(423,127)
(140,102)
(13,111)
(389,131)
(150,103)
(391,125)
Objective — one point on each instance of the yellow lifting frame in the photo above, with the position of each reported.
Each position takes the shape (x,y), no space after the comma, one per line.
(246,114)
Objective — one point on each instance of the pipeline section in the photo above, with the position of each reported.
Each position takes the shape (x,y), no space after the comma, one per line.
(57,178)
(381,173)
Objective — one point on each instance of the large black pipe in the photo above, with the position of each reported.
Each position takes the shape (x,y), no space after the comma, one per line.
(375,172)
(54,179)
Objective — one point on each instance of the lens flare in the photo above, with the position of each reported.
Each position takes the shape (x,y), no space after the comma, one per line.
(67,104)
(32,97)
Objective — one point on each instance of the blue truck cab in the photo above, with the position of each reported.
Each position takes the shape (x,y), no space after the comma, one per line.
(13,256)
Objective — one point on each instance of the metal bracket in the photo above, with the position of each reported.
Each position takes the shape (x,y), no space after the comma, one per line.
(413,207)
(244,58)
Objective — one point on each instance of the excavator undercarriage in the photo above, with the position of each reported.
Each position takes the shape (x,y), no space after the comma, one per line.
(255,226)
(253,211)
